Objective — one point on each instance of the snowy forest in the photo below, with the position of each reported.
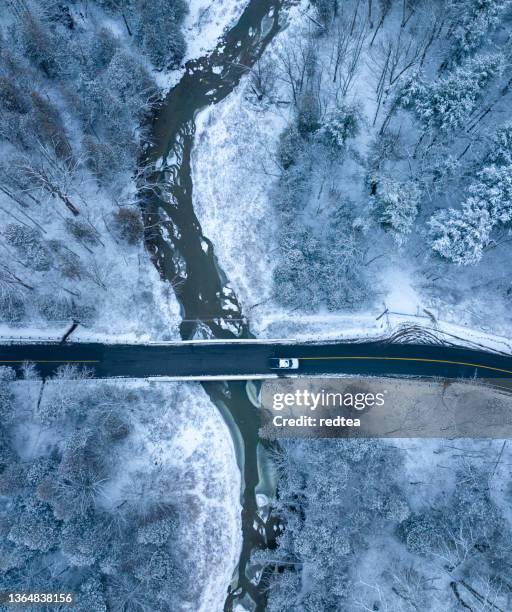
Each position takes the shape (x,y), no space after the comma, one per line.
(123,493)
(77,82)
(363,163)
(371,148)
(394,526)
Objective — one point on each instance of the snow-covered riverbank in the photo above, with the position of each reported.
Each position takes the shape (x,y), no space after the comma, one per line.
(154,458)
(235,170)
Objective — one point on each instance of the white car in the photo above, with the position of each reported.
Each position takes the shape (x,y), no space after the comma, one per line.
(282,363)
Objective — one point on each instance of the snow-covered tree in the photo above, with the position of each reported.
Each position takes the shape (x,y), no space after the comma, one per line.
(333,495)
(326,11)
(493,188)
(37,43)
(472,20)
(12,98)
(460,235)
(159,31)
(49,126)
(62,395)
(103,48)
(156,532)
(445,104)
(35,526)
(127,224)
(396,204)
(500,152)
(12,296)
(340,126)
(7,375)
(454,528)
(6,451)
(84,539)
(27,242)
(91,596)
(131,81)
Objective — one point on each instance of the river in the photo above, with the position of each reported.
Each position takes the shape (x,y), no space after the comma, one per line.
(186,258)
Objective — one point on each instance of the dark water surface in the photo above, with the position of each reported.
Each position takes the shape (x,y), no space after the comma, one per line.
(180,251)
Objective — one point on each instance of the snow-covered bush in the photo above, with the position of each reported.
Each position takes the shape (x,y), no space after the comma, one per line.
(127,224)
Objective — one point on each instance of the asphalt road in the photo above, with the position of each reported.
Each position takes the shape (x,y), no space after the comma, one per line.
(249,359)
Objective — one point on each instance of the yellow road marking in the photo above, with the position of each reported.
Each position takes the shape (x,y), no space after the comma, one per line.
(49,361)
(422,359)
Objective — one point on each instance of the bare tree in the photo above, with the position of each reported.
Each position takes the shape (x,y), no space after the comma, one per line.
(50,175)
(385,7)
(347,44)
(395,56)
(263,77)
(296,66)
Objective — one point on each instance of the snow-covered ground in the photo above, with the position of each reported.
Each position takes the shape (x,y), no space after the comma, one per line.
(187,436)
(230,161)
(179,453)
(206,21)
(118,281)
(234,172)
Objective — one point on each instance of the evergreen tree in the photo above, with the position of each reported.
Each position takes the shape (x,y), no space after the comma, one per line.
(461,235)
(472,20)
(396,205)
(444,105)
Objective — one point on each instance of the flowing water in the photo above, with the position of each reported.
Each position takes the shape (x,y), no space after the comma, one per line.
(186,258)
